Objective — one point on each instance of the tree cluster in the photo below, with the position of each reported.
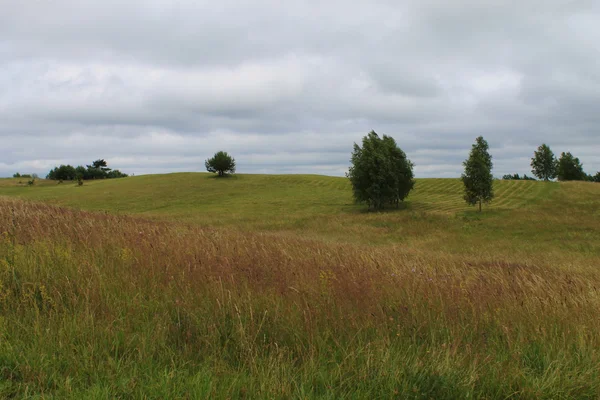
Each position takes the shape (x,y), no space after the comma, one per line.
(516,177)
(566,168)
(97,170)
(380,174)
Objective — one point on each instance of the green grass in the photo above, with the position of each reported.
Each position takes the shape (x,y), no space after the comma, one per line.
(202,196)
(434,217)
(265,286)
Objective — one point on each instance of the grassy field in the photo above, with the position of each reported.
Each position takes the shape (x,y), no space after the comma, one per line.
(186,286)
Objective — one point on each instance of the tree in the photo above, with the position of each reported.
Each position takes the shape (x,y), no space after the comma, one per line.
(477,178)
(81,172)
(115,173)
(221,163)
(62,173)
(100,164)
(543,163)
(380,173)
(596,178)
(98,170)
(569,168)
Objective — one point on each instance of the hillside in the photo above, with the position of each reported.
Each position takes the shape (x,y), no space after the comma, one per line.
(435,216)
(280,287)
(189,193)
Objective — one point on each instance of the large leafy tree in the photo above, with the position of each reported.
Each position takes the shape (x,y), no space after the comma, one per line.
(543,163)
(569,168)
(477,178)
(380,174)
(221,163)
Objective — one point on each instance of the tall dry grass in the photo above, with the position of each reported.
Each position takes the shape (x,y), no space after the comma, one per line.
(99,305)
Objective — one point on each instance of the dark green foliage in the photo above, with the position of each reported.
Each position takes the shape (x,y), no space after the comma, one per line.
(543,163)
(477,178)
(18,175)
(569,168)
(221,163)
(516,177)
(99,164)
(595,178)
(81,171)
(64,173)
(115,173)
(97,170)
(380,173)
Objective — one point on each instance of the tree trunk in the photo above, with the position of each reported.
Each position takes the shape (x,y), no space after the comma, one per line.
(479,205)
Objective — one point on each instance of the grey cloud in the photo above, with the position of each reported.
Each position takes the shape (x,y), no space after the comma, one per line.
(156,86)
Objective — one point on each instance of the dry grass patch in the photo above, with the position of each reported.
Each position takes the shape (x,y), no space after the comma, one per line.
(100,305)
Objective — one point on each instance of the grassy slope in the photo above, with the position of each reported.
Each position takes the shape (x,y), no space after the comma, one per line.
(278,286)
(321,207)
(201,197)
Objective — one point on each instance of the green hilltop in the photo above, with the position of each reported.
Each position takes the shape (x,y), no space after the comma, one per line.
(434,215)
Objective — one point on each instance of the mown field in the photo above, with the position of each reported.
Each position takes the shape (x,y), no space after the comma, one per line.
(186,286)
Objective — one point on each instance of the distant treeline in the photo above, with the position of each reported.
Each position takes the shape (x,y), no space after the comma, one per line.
(516,177)
(30,176)
(97,170)
(546,166)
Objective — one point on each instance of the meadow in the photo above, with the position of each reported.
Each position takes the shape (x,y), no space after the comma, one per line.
(278,286)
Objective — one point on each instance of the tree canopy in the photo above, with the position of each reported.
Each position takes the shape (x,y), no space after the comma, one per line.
(221,163)
(381,173)
(569,168)
(477,177)
(97,170)
(543,163)
(517,177)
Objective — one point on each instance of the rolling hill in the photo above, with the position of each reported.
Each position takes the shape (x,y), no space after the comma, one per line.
(258,286)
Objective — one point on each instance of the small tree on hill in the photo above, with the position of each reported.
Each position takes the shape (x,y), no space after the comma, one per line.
(477,178)
(543,163)
(221,163)
(569,168)
(380,173)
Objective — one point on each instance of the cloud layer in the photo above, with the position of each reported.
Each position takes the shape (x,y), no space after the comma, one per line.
(158,86)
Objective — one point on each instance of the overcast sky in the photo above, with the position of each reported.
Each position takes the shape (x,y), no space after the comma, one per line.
(288,86)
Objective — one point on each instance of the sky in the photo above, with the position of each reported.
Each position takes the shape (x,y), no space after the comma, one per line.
(156,86)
